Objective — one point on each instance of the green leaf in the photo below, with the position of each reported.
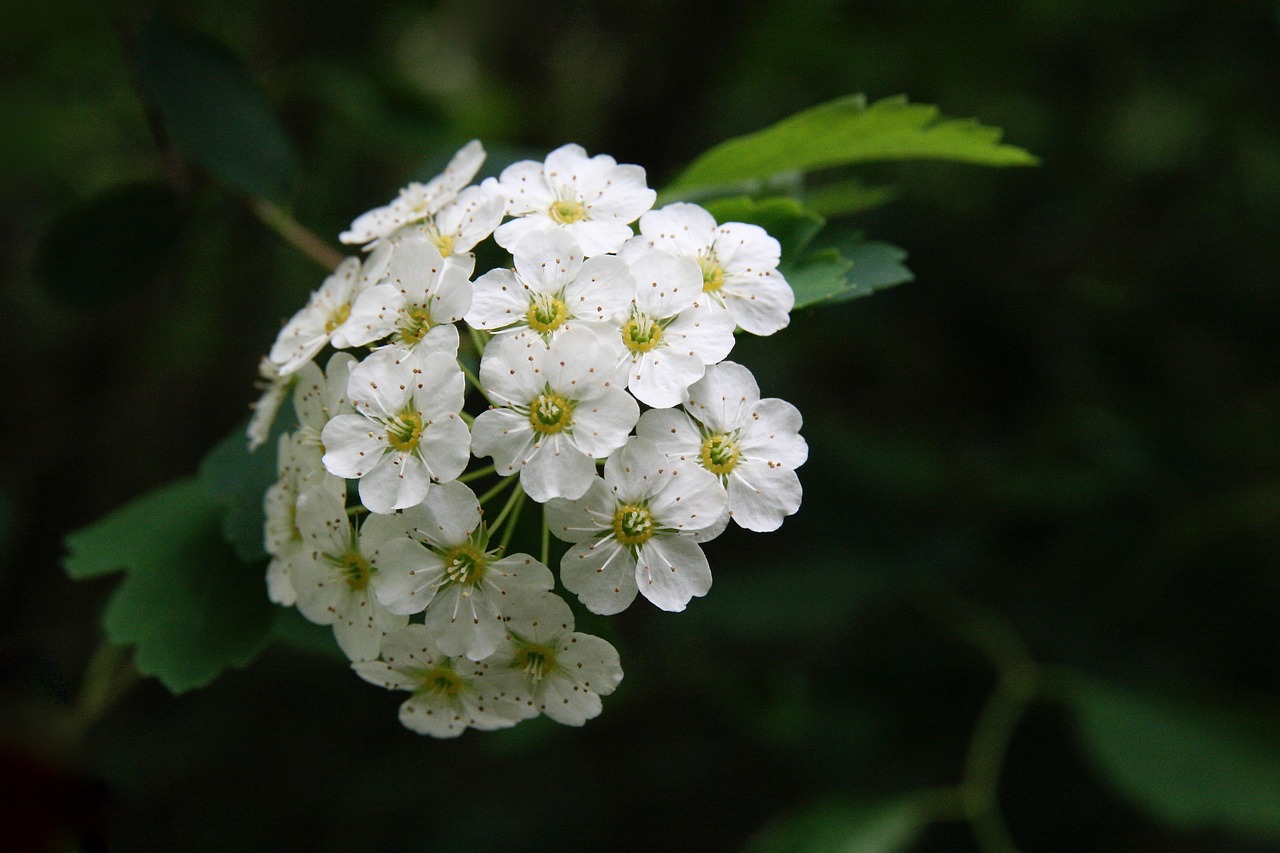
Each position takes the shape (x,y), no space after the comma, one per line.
(837,275)
(214,111)
(846,131)
(844,198)
(189,606)
(291,629)
(237,479)
(786,220)
(105,248)
(1190,765)
(846,827)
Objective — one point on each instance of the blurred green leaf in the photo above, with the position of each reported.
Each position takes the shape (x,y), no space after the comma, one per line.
(837,275)
(846,197)
(1190,765)
(214,110)
(189,606)
(846,131)
(106,247)
(237,479)
(291,629)
(786,220)
(846,827)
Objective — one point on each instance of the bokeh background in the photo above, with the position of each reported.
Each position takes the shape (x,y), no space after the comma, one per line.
(1066,427)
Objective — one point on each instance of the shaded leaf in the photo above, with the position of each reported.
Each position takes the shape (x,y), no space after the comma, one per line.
(846,197)
(1189,765)
(188,605)
(214,110)
(846,827)
(837,275)
(291,629)
(846,131)
(237,479)
(105,248)
(786,220)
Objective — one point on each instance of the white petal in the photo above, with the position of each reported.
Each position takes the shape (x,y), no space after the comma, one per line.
(673,432)
(399,480)
(665,284)
(602,290)
(445,449)
(761,496)
(601,424)
(464,622)
(671,570)
(705,330)
(373,316)
(771,434)
(681,229)
(661,377)
(724,398)
(637,472)
(353,445)
(499,300)
(602,574)
(584,518)
(504,435)
(556,468)
(407,577)
(691,500)
(761,305)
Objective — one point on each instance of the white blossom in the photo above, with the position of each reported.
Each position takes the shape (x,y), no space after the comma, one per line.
(274,389)
(334,578)
(670,334)
(459,225)
(450,694)
(437,559)
(326,311)
(418,201)
(632,531)
(282,540)
(592,198)
(752,446)
(421,297)
(739,263)
(552,289)
(406,432)
(565,671)
(556,409)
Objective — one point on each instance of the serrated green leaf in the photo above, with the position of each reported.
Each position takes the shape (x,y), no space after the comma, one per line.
(818,277)
(1189,765)
(846,131)
(214,111)
(237,479)
(186,603)
(846,827)
(105,248)
(844,198)
(837,275)
(786,220)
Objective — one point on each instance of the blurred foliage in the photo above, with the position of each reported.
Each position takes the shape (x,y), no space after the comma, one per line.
(1068,418)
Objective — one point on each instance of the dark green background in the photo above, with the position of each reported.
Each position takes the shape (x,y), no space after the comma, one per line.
(1071,416)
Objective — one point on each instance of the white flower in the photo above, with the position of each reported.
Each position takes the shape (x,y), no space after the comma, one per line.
(565,672)
(274,388)
(633,531)
(296,467)
(334,578)
(417,201)
(417,304)
(406,433)
(458,226)
(326,311)
(556,410)
(592,198)
(670,335)
(319,397)
(751,445)
(447,570)
(739,263)
(449,694)
(552,289)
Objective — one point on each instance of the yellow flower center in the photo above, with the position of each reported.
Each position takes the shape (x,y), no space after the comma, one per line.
(415,324)
(550,413)
(338,317)
(641,333)
(632,524)
(712,274)
(441,680)
(546,313)
(565,212)
(404,432)
(536,661)
(356,570)
(444,242)
(719,454)
(464,564)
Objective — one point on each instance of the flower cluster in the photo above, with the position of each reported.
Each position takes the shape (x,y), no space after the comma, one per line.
(598,358)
